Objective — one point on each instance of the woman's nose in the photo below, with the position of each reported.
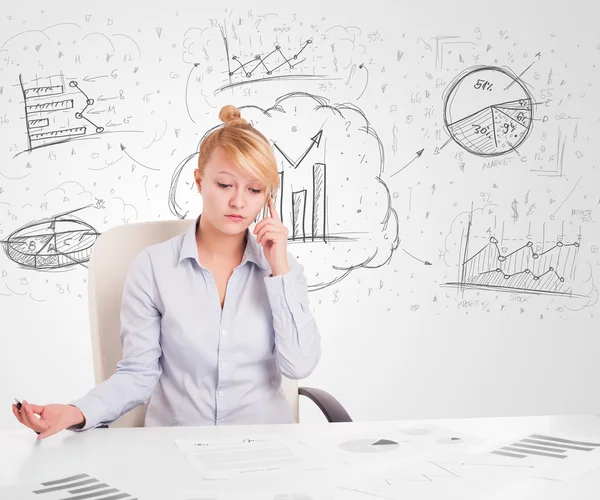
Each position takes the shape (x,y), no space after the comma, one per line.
(237,200)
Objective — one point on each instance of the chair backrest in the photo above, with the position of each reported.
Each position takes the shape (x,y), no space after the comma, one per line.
(111,257)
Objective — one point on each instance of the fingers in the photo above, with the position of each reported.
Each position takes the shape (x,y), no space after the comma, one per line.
(270,232)
(27,415)
(49,432)
(261,223)
(30,419)
(21,416)
(17,414)
(273,211)
(36,408)
(268,236)
(276,224)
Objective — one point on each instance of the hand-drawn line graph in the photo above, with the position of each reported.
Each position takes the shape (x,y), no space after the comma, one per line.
(529,268)
(48,111)
(488,111)
(58,242)
(331,195)
(544,446)
(515,271)
(241,69)
(229,55)
(88,102)
(259,62)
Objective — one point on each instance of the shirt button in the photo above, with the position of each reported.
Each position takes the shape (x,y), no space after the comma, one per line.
(223,332)
(220,393)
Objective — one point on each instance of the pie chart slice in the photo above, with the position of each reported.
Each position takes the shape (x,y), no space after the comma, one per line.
(30,244)
(369,446)
(522,116)
(519,104)
(476,133)
(507,131)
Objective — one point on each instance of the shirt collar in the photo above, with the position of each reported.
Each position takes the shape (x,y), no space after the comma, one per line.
(252,253)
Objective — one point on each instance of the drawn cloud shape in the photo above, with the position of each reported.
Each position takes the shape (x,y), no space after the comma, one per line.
(332,198)
(63,239)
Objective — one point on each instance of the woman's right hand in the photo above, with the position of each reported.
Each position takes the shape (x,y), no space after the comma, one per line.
(52,418)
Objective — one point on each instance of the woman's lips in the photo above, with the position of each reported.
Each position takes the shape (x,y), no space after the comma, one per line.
(236,218)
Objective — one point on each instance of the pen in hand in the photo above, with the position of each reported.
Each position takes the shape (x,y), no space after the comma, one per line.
(18,404)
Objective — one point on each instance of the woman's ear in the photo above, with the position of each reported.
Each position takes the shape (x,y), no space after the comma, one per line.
(198,179)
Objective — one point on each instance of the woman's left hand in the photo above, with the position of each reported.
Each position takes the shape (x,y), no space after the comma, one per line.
(272,234)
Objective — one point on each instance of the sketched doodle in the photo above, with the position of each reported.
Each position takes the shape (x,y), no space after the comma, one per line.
(58,242)
(331,194)
(488,111)
(48,109)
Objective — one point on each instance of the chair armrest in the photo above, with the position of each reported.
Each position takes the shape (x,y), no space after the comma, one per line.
(331,407)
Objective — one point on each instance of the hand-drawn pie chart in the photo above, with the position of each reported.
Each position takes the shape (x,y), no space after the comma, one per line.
(488,111)
(369,445)
(58,242)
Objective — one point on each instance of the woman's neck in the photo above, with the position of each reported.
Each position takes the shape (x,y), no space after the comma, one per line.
(215,245)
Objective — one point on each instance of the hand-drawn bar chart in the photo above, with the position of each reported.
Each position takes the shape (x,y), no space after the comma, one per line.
(50,110)
(317,207)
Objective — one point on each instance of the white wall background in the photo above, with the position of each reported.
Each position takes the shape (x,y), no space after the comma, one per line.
(372,79)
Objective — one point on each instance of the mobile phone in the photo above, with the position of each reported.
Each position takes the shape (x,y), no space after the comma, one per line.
(265,212)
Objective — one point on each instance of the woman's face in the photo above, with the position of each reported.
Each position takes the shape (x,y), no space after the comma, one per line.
(231,201)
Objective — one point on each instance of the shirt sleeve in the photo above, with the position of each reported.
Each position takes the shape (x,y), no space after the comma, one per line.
(297,339)
(138,372)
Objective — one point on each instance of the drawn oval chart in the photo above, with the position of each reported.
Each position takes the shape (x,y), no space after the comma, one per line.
(54,243)
(488,111)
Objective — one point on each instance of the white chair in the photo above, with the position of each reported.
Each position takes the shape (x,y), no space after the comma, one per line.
(111,257)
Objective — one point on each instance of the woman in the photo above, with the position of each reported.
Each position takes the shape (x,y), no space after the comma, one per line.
(211,319)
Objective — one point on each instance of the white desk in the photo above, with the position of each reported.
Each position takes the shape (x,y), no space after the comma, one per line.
(146,463)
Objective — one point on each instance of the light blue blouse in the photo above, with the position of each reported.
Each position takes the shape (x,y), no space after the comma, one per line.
(203,365)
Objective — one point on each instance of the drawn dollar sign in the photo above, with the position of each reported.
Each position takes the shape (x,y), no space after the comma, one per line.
(515,211)
(335,296)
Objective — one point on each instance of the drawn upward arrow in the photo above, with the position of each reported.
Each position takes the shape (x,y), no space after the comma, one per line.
(187,84)
(419,153)
(138,162)
(426,262)
(362,66)
(315,141)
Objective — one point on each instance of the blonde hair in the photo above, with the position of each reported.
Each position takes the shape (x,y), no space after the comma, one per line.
(244,145)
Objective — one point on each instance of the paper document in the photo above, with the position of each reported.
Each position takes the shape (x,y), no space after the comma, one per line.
(224,458)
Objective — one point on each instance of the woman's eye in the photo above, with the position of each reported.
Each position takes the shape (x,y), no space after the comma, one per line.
(223,185)
(255,191)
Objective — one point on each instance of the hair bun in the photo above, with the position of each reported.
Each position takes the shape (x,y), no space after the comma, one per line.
(231,115)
